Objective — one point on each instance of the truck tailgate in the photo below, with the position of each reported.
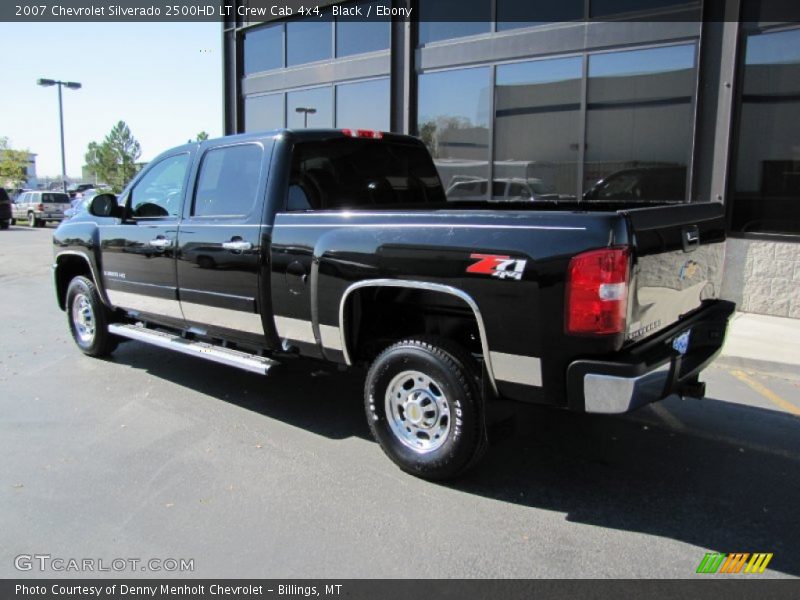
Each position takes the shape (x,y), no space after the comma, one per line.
(679,252)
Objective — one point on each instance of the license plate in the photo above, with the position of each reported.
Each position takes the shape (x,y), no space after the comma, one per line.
(681,343)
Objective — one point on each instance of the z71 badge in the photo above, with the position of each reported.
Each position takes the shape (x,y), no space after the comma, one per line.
(502,267)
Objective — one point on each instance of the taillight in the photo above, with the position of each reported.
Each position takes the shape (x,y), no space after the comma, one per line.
(363,133)
(40,207)
(597,292)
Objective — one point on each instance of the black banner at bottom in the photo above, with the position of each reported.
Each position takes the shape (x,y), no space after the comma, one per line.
(389,589)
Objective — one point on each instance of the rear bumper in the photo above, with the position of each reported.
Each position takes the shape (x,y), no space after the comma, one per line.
(651,370)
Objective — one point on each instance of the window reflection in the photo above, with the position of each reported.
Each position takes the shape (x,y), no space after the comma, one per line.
(767,177)
(434,27)
(453,122)
(363,105)
(263,49)
(639,122)
(356,35)
(263,112)
(308,40)
(319,100)
(512,14)
(543,99)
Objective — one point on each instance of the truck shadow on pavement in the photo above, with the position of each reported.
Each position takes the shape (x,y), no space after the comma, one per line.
(709,473)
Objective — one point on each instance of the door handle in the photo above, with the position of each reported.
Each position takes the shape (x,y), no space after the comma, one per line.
(237,245)
(161,242)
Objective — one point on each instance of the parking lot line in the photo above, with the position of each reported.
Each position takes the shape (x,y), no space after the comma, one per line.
(766,392)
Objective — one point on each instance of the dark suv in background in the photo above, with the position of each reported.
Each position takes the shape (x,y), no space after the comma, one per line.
(5,209)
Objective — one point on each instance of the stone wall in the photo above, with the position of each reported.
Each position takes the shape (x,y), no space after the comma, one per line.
(763,277)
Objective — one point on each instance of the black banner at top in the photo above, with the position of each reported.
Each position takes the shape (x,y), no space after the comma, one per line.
(534,12)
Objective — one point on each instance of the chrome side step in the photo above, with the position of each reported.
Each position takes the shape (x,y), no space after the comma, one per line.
(218,354)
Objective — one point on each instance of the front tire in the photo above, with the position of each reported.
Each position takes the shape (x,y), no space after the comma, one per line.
(424,407)
(5,224)
(88,318)
(13,221)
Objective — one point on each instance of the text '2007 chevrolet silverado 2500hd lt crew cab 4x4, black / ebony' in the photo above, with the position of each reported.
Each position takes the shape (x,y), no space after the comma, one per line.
(341,246)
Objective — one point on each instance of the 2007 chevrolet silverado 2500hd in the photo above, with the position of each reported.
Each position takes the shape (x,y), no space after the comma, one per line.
(341,245)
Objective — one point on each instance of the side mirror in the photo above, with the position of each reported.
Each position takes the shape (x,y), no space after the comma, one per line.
(104,205)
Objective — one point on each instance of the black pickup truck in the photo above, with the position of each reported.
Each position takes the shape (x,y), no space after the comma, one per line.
(341,246)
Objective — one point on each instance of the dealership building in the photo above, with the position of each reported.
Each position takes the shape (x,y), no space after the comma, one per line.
(561,99)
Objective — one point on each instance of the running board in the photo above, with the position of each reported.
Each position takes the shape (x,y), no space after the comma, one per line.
(218,354)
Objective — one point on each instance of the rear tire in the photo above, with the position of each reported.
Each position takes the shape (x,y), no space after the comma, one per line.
(32,220)
(5,224)
(424,407)
(88,318)
(13,221)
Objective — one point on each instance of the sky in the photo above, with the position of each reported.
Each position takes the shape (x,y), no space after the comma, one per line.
(163,79)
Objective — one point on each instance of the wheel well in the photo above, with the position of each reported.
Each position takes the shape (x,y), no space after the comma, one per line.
(67,267)
(376,317)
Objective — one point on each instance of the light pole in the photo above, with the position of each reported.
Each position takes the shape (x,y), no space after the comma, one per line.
(306,111)
(73,86)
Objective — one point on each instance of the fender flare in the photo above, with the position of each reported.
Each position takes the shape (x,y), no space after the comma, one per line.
(420,285)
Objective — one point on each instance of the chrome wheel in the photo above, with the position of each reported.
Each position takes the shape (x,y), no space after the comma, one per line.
(418,412)
(83,319)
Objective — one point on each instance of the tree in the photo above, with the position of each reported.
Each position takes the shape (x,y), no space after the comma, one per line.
(202,136)
(13,165)
(114,159)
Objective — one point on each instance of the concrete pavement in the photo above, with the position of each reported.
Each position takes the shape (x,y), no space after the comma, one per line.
(763,343)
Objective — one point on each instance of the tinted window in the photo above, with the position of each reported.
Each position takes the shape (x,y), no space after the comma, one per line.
(263,112)
(363,105)
(55,198)
(359,34)
(361,173)
(308,40)
(454,123)
(318,100)
(159,192)
(434,26)
(228,181)
(601,8)
(263,49)
(766,185)
(513,13)
(639,112)
(4,196)
(543,99)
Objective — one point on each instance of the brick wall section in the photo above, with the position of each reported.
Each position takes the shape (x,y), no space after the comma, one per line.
(763,277)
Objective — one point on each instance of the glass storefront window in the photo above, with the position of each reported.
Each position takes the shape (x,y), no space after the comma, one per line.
(639,123)
(308,39)
(453,109)
(363,105)
(602,8)
(357,35)
(320,100)
(512,14)
(766,182)
(262,113)
(434,26)
(263,49)
(542,99)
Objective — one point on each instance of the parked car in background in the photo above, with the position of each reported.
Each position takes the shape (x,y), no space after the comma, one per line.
(81,202)
(658,183)
(5,209)
(39,208)
(518,189)
(77,191)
